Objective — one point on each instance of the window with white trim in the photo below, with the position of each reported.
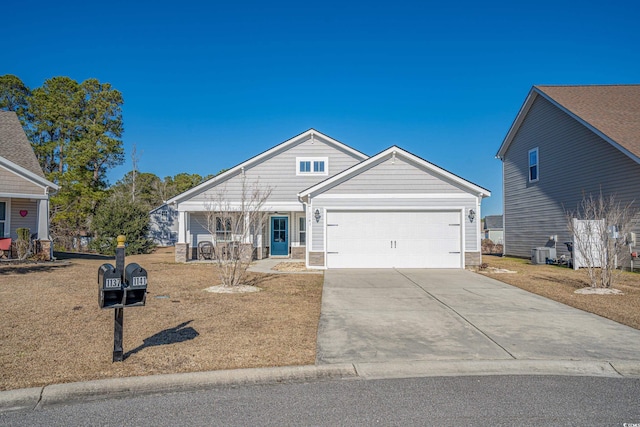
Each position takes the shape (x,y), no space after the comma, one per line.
(303,230)
(165,215)
(223,229)
(533,165)
(312,165)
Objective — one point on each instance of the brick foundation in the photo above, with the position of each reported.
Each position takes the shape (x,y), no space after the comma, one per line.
(472,259)
(316,259)
(44,250)
(297,252)
(182,252)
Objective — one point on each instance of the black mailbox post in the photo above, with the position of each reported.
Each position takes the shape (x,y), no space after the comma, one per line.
(135,278)
(110,289)
(121,287)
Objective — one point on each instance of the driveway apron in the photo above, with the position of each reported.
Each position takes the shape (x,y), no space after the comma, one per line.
(407,315)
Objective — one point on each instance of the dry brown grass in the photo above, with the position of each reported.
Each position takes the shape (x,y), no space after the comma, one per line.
(53,331)
(559,284)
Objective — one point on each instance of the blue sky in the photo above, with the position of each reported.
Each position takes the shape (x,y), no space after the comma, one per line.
(209,84)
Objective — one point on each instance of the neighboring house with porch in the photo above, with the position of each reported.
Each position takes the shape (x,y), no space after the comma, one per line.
(163,225)
(567,142)
(24,191)
(334,207)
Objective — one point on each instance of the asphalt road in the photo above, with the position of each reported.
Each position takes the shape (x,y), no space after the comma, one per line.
(478,401)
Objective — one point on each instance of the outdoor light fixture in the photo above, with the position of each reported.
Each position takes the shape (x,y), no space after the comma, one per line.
(316,215)
(472,215)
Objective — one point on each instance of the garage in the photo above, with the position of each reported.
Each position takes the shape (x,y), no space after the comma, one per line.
(393,210)
(394,239)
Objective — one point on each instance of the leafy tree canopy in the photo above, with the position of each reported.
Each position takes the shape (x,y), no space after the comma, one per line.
(120,215)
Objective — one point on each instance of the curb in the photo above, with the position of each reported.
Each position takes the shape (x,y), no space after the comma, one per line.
(58,394)
(443,368)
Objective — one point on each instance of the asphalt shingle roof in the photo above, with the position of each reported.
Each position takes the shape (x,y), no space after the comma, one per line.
(14,145)
(613,110)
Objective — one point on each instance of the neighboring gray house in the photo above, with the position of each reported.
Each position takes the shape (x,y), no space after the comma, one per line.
(492,228)
(335,207)
(567,142)
(163,225)
(24,191)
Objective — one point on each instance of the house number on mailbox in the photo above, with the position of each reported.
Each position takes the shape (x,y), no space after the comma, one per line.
(139,281)
(112,283)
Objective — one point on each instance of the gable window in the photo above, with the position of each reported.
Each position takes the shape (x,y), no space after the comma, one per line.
(303,231)
(533,165)
(312,165)
(165,215)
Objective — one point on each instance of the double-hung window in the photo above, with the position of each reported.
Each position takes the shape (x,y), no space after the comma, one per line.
(303,231)
(533,165)
(312,165)
(223,229)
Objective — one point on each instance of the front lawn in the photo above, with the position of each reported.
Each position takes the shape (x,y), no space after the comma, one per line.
(53,331)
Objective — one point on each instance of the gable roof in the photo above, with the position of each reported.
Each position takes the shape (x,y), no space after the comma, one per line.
(610,111)
(311,133)
(393,151)
(16,152)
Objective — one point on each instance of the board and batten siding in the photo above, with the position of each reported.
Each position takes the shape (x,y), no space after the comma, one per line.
(278,173)
(398,204)
(11,183)
(572,161)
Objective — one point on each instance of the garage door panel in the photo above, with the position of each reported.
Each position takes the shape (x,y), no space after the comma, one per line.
(415,239)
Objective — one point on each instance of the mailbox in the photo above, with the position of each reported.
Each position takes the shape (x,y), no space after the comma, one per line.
(110,289)
(135,278)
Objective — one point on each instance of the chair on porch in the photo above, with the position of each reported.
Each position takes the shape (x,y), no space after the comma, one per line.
(5,247)
(206,250)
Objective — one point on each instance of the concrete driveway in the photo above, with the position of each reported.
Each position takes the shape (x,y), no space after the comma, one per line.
(438,315)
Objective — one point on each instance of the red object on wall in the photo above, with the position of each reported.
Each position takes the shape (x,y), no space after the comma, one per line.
(23,213)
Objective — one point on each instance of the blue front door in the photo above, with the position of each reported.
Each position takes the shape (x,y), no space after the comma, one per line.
(279,235)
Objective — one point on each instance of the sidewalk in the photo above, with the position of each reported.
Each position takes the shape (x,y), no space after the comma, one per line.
(64,394)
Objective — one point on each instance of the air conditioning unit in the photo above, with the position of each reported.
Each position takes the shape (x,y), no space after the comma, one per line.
(540,255)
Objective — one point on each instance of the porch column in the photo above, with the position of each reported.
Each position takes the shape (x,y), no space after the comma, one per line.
(182,246)
(43,229)
(43,219)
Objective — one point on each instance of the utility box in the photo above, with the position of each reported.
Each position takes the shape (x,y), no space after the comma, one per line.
(110,289)
(540,255)
(135,278)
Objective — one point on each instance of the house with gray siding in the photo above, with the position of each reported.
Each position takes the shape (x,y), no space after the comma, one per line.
(163,225)
(24,191)
(335,207)
(493,229)
(567,142)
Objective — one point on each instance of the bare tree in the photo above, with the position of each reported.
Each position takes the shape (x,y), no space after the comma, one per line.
(236,226)
(601,226)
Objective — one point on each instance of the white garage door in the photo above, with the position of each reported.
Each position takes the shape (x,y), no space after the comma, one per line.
(374,239)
